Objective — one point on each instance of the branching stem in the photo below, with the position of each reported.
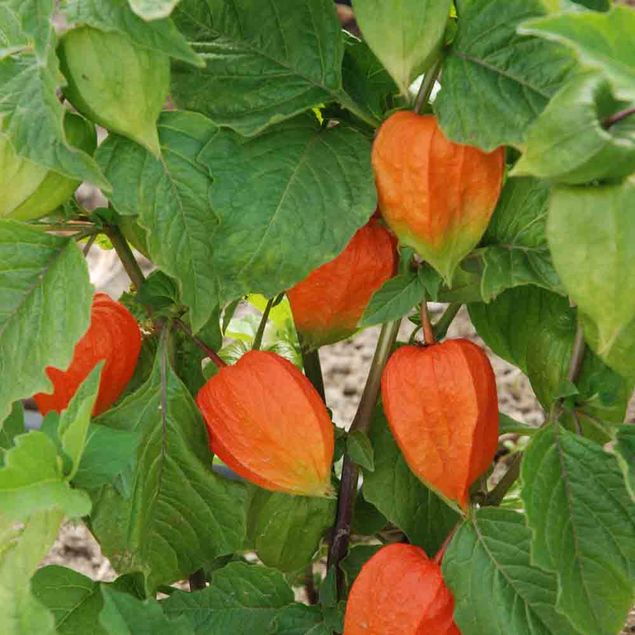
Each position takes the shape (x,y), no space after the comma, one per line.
(341,532)
(262,326)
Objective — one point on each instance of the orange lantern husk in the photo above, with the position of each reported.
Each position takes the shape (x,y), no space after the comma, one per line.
(328,304)
(400,591)
(441,406)
(267,423)
(113,336)
(436,195)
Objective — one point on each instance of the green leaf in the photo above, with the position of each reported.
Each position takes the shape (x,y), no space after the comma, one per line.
(255,80)
(299,619)
(28,93)
(620,354)
(32,480)
(45,299)
(569,142)
(394,299)
(286,531)
(10,428)
(22,547)
(534,329)
(287,201)
(117,16)
(515,250)
(401,497)
(497,589)
(367,519)
(179,514)
(583,524)
(488,54)
(356,559)
(74,421)
(242,599)
(508,425)
(172,203)
(74,599)
(24,23)
(108,453)
(624,450)
(591,233)
(153,9)
(601,40)
(359,448)
(365,79)
(124,614)
(412,42)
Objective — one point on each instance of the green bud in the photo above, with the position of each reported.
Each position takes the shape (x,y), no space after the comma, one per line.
(115,83)
(29,190)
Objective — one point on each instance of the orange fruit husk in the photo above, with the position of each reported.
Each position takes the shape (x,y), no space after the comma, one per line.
(436,195)
(328,304)
(267,423)
(400,591)
(113,336)
(441,405)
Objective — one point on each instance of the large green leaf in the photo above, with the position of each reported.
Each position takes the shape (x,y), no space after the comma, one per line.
(591,233)
(496,587)
(620,354)
(242,600)
(490,93)
(179,514)
(256,81)
(365,79)
(625,452)
(534,329)
(286,201)
(127,615)
(318,191)
(74,599)
(299,619)
(401,497)
(410,44)
(28,91)
(285,531)
(171,197)
(515,250)
(22,547)
(569,142)
(45,299)
(108,453)
(32,480)
(583,523)
(602,40)
(117,16)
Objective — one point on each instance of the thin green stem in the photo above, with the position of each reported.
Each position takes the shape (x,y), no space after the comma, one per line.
(262,326)
(442,325)
(426,324)
(89,243)
(341,532)
(617,117)
(126,256)
(425,90)
(209,352)
(313,368)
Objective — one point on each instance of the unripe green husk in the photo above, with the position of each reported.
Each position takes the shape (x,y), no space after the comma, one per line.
(115,83)
(28,190)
